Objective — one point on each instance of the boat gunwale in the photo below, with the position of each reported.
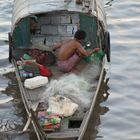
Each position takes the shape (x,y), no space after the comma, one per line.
(24,100)
(84,125)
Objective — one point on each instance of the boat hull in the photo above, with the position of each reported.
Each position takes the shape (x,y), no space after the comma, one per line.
(40,30)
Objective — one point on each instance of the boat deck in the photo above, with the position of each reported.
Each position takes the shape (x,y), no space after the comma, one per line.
(90,73)
(82,69)
(70,126)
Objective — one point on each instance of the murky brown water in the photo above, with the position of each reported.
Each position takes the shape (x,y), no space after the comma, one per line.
(118,115)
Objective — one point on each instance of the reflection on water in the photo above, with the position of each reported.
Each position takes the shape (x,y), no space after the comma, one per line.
(123,102)
(12,111)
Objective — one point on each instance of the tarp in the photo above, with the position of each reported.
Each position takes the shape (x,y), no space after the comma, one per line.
(23,8)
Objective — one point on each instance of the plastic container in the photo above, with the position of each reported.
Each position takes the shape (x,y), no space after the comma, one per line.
(35,82)
(97,56)
(27,57)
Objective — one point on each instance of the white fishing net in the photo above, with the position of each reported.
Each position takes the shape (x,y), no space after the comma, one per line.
(79,88)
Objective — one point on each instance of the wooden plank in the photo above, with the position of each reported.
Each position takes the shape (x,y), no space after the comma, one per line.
(74,133)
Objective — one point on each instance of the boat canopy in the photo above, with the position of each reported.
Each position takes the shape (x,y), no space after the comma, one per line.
(24,8)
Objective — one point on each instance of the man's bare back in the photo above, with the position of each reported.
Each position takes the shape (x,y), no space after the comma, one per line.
(70,52)
(67,49)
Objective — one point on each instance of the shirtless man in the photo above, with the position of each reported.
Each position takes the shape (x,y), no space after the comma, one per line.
(71,52)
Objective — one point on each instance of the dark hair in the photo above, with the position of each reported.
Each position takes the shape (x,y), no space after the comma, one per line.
(80,35)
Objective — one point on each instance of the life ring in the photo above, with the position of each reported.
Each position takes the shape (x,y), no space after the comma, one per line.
(107,46)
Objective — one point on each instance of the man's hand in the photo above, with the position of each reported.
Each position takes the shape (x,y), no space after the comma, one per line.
(96,49)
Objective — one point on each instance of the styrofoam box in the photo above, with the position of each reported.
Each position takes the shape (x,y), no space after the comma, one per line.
(35,82)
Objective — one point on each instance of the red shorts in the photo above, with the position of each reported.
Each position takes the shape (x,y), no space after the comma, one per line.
(68,65)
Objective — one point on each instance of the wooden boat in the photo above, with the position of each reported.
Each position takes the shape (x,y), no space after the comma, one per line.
(41,23)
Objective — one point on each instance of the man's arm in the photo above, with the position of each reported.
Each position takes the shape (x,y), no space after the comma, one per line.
(87,53)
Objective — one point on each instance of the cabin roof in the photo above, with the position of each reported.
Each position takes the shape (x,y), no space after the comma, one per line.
(23,8)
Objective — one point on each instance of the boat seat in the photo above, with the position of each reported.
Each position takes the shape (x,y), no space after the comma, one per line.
(72,133)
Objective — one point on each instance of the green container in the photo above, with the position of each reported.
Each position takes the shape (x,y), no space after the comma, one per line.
(97,56)
(27,57)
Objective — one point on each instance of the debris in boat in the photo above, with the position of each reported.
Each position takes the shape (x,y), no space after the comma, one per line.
(44,71)
(35,82)
(30,69)
(27,57)
(97,57)
(49,121)
(71,86)
(61,105)
(46,58)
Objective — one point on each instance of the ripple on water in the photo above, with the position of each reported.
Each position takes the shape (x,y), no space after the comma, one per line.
(12,113)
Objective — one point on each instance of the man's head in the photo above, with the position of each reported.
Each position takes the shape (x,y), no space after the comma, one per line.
(80,35)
